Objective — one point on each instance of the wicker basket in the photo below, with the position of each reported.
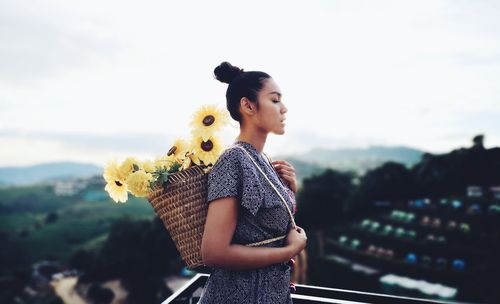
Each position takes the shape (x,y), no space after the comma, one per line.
(182,208)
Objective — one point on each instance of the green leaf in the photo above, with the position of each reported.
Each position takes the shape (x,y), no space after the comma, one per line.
(136,167)
(165,177)
(175,167)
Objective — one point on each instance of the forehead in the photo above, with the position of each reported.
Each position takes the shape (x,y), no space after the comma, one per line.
(270,87)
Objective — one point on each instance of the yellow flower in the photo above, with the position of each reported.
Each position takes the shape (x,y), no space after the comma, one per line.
(115,186)
(164,162)
(179,150)
(117,191)
(206,151)
(186,163)
(139,183)
(111,171)
(195,158)
(127,167)
(148,166)
(207,120)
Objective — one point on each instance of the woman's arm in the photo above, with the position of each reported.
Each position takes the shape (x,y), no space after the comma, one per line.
(217,250)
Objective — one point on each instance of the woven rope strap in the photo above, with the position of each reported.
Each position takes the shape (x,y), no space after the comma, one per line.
(282,200)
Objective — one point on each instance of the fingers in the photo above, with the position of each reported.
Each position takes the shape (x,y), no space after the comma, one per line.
(301,230)
(290,180)
(285,170)
(281,164)
(288,177)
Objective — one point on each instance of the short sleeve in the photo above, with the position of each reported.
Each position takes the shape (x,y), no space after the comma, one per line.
(233,175)
(225,177)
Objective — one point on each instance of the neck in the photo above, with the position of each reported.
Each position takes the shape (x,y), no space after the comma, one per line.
(254,137)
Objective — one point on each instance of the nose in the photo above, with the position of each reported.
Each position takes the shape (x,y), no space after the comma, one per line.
(284,109)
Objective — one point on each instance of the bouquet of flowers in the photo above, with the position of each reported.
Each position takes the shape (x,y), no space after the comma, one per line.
(176,183)
(140,178)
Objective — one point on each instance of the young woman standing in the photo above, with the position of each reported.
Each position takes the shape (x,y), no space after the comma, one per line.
(243,206)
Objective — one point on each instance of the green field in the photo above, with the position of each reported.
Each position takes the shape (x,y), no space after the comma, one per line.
(28,237)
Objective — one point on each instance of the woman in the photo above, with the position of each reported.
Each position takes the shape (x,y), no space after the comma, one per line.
(243,207)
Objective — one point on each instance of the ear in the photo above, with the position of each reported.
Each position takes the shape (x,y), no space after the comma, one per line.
(247,106)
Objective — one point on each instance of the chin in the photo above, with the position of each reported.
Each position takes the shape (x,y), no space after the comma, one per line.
(280,132)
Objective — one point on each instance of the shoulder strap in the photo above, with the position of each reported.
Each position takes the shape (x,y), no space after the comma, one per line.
(276,190)
(272,167)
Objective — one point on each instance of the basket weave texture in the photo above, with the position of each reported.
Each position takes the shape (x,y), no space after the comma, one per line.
(183,209)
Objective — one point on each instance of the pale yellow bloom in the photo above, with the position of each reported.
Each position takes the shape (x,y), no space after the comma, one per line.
(207,151)
(207,120)
(117,191)
(127,167)
(139,183)
(164,162)
(116,187)
(148,166)
(111,171)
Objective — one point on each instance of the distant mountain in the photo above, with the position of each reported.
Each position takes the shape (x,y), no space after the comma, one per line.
(358,160)
(303,168)
(306,164)
(48,171)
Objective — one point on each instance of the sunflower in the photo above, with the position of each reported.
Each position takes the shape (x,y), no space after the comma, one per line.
(128,166)
(139,183)
(207,151)
(207,120)
(115,186)
(186,163)
(178,150)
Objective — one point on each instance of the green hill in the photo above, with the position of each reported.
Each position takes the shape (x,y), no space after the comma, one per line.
(357,160)
(49,171)
(36,224)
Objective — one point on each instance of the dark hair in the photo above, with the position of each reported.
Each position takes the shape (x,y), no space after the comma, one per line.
(241,84)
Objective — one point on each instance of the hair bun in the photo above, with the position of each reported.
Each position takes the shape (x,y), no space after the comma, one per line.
(226,72)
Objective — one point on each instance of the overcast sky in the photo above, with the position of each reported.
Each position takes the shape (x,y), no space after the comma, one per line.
(92,80)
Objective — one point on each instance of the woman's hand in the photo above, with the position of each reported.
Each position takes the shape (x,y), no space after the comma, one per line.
(286,172)
(297,240)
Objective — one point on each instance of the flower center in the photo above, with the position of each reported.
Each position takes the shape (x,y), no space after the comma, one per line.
(208,120)
(207,145)
(171,151)
(118,183)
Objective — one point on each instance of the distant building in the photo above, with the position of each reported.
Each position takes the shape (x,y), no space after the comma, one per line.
(68,187)
(474,191)
(495,192)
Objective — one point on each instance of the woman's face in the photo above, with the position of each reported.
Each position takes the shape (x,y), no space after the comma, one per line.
(271,113)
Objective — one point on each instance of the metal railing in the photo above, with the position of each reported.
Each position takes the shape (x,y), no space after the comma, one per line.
(305,294)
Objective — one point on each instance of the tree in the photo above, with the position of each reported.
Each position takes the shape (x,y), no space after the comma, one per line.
(322,201)
(478,141)
(135,252)
(51,217)
(392,181)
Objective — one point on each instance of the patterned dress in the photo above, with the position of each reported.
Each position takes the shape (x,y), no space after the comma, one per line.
(261,216)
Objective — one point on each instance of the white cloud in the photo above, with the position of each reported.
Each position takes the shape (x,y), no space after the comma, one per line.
(353,73)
